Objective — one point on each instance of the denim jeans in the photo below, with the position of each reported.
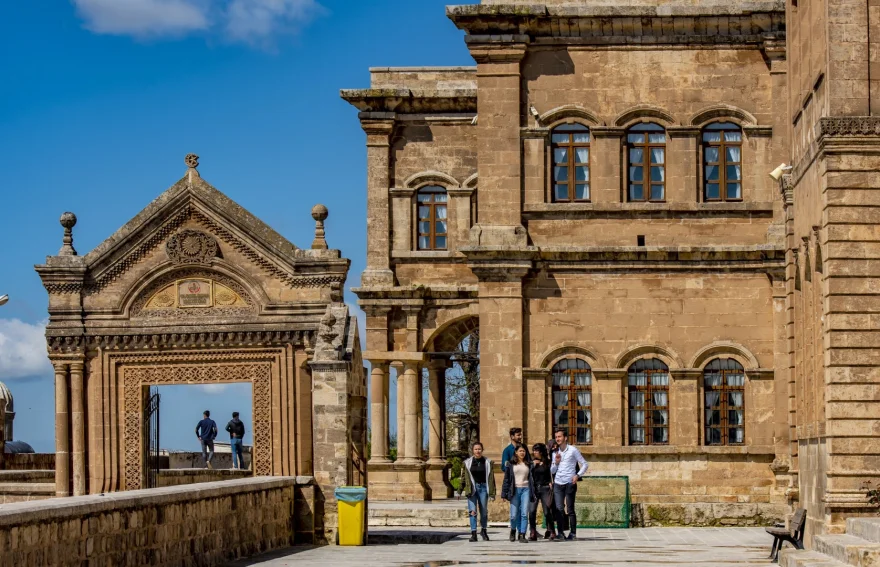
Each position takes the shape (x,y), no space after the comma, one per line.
(563,500)
(207,450)
(545,499)
(519,509)
(480,496)
(237,457)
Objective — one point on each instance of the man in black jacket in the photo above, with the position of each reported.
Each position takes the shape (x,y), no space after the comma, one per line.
(235,427)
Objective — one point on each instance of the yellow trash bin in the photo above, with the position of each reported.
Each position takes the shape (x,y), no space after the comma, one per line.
(352,521)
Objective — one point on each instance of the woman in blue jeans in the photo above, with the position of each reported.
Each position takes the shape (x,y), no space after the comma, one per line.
(518,489)
(478,485)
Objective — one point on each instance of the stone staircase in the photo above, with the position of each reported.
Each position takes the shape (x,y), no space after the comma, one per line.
(858,547)
(439,514)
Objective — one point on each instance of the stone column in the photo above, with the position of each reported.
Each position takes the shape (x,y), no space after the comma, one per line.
(378,270)
(401,419)
(2,432)
(379,412)
(421,414)
(435,425)
(62,432)
(410,412)
(77,420)
(436,473)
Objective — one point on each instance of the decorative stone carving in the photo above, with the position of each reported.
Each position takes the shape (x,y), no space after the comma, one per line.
(68,221)
(225,297)
(191,247)
(180,370)
(320,214)
(191,161)
(848,126)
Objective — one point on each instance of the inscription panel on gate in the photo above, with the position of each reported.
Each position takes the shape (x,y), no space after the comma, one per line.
(195,293)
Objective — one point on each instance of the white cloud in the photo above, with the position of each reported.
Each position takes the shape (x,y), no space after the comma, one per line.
(254,22)
(22,350)
(212,388)
(144,18)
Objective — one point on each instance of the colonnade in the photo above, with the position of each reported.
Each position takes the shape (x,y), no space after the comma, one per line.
(411,461)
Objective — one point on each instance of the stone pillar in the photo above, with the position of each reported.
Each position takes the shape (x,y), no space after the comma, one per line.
(435,425)
(400,416)
(410,380)
(62,432)
(378,270)
(421,414)
(501,353)
(436,474)
(77,421)
(379,412)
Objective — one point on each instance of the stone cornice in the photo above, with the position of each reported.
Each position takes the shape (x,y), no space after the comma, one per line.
(397,295)
(755,22)
(71,344)
(411,101)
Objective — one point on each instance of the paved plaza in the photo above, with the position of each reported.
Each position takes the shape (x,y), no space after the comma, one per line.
(608,548)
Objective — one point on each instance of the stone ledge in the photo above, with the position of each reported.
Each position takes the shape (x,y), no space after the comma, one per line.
(77,506)
(649,210)
(647,450)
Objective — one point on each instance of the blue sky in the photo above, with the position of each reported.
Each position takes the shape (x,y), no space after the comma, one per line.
(101,99)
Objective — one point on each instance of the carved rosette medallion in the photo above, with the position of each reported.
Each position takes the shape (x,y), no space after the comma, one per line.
(191,247)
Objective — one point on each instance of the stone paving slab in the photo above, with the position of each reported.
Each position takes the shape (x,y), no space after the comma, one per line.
(645,547)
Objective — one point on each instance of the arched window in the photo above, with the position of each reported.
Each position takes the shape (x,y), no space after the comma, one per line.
(648,403)
(573,399)
(724,383)
(432,218)
(722,162)
(646,144)
(571,163)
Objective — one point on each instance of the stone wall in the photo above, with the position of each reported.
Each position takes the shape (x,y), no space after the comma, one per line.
(26,485)
(216,522)
(29,462)
(177,477)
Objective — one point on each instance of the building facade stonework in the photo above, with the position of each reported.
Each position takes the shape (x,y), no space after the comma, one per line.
(196,290)
(593,196)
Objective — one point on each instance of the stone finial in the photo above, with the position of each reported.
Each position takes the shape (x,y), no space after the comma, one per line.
(320,214)
(68,221)
(192,162)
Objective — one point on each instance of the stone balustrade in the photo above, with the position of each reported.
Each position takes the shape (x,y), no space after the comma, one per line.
(215,522)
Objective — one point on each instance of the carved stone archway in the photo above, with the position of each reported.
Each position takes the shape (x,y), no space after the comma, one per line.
(140,371)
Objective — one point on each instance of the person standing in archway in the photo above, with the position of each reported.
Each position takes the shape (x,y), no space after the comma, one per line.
(206,432)
(235,427)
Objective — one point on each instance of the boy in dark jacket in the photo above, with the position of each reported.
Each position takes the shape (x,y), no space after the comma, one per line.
(235,427)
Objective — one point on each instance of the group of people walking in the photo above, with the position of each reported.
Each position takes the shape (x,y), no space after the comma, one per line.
(548,475)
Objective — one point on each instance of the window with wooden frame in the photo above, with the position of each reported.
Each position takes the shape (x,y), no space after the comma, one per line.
(573,399)
(570,146)
(648,394)
(724,383)
(722,162)
(432,226)
(646,155)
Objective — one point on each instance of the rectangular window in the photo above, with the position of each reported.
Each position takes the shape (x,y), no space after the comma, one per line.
(432,221)
(571,163)
(722,162)
(648,403)
(646,152)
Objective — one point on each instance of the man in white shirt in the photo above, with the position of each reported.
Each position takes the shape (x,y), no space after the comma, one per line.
(569,466)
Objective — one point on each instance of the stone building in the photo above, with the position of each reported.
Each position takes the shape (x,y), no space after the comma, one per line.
(196,290)
(593,197)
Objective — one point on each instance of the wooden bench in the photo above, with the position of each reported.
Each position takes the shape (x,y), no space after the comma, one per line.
(794,535)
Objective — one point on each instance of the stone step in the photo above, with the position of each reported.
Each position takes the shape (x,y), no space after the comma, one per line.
(848,549)
(790,557)
(417,516)
(865,528)
(26,488)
